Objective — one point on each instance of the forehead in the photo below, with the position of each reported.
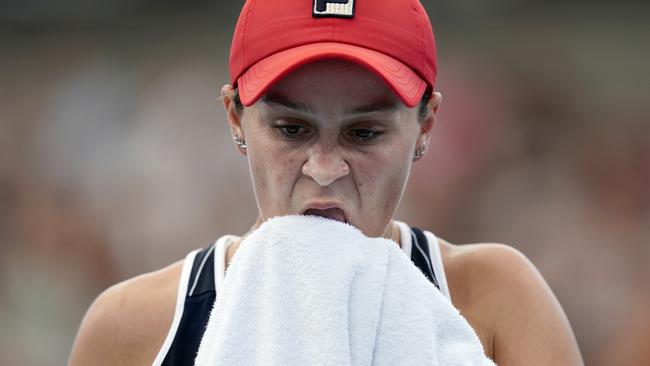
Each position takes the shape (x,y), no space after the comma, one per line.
(333,83)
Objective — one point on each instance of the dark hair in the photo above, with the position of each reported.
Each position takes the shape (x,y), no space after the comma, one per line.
(239,107)
(422,107)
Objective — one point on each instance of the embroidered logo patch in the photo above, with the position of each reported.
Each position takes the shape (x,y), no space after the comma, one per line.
(333,8)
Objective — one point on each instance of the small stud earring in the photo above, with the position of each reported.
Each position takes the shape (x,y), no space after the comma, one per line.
(240,142)
(419,152)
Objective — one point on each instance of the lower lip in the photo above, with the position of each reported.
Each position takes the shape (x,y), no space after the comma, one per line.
(330,213)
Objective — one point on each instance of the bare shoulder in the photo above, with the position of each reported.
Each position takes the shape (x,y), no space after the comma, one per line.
(471,266)
(506,299)
(128,322)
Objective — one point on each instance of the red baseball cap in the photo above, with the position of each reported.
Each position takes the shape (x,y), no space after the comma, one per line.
(392,38)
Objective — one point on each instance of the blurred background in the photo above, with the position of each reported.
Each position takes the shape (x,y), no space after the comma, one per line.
(115,156)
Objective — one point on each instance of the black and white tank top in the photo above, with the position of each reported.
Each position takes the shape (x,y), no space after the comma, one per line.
(204,270)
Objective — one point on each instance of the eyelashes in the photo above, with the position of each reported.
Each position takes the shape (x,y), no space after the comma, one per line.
(295,131)
(291,131)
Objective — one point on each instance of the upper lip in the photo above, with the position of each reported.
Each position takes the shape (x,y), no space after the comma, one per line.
(324,205)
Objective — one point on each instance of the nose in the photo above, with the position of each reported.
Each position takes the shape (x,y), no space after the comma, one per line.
(325,167)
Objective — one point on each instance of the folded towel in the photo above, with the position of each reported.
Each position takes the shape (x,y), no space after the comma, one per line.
(305,290)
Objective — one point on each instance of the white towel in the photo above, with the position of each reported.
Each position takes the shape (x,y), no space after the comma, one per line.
(305,290)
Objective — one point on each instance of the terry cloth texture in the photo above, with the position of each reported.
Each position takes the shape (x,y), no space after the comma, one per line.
(304,290)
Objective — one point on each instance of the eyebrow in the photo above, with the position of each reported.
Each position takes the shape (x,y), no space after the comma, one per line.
(282,101)
(382,105)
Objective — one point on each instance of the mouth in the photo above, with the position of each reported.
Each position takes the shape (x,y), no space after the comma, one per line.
(333,213)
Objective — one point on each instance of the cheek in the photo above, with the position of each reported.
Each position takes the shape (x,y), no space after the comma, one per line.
(383,181)
(273,174)
(280,168)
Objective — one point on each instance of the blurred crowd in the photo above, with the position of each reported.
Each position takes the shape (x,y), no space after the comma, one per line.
(115,158)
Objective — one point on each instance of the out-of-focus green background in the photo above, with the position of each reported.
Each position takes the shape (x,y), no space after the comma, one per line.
(115,157)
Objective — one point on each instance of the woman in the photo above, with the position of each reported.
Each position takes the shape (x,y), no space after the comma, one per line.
(331,102)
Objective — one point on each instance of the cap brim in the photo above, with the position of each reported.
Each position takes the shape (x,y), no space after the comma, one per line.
(257,80)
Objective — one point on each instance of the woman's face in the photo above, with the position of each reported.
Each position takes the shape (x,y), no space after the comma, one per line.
(330,139)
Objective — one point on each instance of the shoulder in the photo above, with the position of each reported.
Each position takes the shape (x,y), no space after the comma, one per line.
(128,322)
(506,299)
(490,274)
(498,264)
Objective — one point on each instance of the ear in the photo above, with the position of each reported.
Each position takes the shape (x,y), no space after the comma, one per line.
(426,125)
(234,118)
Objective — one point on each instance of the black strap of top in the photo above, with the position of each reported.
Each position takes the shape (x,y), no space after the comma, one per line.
(199,300)
(420,255)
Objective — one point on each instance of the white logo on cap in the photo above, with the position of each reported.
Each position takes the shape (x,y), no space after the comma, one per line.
(333,8)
